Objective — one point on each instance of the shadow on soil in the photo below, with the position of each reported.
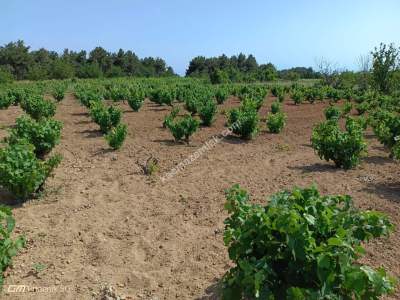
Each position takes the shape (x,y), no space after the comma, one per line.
(378,160)
(8,199)
(157,107)
(380,148)
(370,136)
(317,167)
(83,122)
(213,292)
(167,142)
(388,191)
(80,114)
(306,145)
(92,133)
(232,139)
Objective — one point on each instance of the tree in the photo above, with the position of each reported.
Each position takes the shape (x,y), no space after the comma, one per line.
(384,64)
(160,67)
(364,63)
(235,69)
(328,71)
(101,57)
(170,72)
(241,62)
(131,64)
(5,75)
(43,57)
(17,58)
(293,76)
(267,72)
(90,70)
(197,67)
(223,62)
(115,71)
(61,69)
(38,72)
(76,59)
(219,77)
(251,64)
(302,72)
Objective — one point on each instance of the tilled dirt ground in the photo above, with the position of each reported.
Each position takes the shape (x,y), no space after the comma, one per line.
(101,221)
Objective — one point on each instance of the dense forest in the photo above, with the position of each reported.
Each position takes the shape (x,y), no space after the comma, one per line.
(19,62)
(241,68)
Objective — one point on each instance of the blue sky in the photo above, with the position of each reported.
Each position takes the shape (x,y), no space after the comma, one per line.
(286,33)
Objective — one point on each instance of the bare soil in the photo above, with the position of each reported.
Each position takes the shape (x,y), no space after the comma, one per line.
(101,221)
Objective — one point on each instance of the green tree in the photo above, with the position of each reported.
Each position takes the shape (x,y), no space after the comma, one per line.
(90,70)
(37,72)
(267,72)
(384,63)
(101,57)
(219,77)
(16,56)
(5,75)
(61,69)
(294,76)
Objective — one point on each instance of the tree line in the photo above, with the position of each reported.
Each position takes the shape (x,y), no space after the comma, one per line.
(18,62)
(380,68)
(239,68)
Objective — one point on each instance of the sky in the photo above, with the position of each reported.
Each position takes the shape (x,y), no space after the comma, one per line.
(287,33)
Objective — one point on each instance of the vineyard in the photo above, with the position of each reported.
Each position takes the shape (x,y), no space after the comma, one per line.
(130,185)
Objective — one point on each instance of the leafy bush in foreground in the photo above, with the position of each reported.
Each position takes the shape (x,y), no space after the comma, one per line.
(333,94)
(344,148)
(277,90)
(347,107)
(301,246)
(207,111)
(169,118)
(311,94)
(332,113)
(362,107)
(118,93)
(59,92)
(255,94)
(163,95)
(8,247)
(6,100)
(38,108)
(221,94)
(386,126)
(96,108)
(21,173)
(19,94)
(298,96)
(276,122)
(116,136)
(105,117)
(43,134)
(191,105)
(86,96)
(136,99)
(244,120)
(276,107)
(182,127)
